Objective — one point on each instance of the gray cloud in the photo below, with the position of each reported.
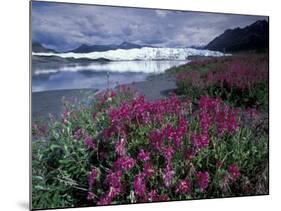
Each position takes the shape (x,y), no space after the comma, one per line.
(66,26)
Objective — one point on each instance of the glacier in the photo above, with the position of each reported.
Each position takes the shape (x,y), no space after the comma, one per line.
(145,53)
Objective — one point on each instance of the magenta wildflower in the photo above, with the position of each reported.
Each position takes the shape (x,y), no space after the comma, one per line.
(205,121)
(148,169)
(143,156)
(78,134)
(180,132)
(139,185)
(156,139)
(124,163)
(168,132)
(234,172)
(152,195)
(105,200)
(183,187)
(168,153)
(120,148)
(89,142)
(168,175)
(113,179)
(200,141)
(92,176)
(202,180)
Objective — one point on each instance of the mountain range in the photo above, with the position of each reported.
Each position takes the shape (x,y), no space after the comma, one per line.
(38,47)
(252,37)
(100,48)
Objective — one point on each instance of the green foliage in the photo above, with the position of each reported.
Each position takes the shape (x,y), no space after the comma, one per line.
(61,161)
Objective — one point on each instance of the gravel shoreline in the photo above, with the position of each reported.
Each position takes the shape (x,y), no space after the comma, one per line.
(47,102)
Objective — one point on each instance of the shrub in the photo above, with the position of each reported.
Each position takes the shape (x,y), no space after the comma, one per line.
(122,149)
(241,80)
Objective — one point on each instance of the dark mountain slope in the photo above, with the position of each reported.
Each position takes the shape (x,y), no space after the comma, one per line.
(37,47)
(252,37)
(99,48)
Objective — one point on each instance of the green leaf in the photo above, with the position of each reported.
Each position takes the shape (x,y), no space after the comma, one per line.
(54,146)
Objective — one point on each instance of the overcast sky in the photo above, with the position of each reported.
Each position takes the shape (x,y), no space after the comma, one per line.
(66,26)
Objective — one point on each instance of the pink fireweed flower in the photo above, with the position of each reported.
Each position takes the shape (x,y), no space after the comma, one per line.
(113,179)
(113,192)
(78,133)
(92,176)
(148,169)
(156,139)
(152,195)
(200,141)
(183,187)
(180,132)
(226,120)
(168,175)
(139,185)
(124,163)
(121,114)
(168,131)
(168,153)
(120,148)
(105,200)
(89,142)
(234,172)
(205,121)
(143,156)
(202,180)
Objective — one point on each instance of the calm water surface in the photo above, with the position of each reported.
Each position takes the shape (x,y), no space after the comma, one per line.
(95,75)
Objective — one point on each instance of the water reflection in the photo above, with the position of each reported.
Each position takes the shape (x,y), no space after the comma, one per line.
(94,75)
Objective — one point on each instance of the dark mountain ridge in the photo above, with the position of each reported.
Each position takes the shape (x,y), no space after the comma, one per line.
(252,37)
(38,47)
(100,48)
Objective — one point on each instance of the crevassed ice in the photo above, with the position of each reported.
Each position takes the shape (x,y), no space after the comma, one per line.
(146,53)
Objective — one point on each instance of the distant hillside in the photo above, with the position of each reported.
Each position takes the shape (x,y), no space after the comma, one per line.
(252,37)
(37,47)
(100,48)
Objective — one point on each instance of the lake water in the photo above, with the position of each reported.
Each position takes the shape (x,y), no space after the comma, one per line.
(95,75)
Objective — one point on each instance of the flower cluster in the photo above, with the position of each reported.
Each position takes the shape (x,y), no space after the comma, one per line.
(92,176)
(227,71)
(183,187)
(89,142)
(113,180)
(199,141)
(139,185)
(202,180)
(164,139)
(143,156)
(213,112)
(124,163)
(120,148)
(234,172)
